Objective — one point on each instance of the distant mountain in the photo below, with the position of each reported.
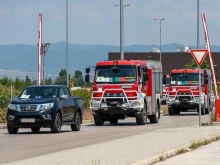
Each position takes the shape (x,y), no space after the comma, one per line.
(25,57)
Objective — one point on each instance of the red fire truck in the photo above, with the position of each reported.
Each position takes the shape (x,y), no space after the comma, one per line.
(184,91)
(166,84)
(126,88)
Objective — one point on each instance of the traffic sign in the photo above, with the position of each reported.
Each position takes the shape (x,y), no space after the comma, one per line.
(199,55)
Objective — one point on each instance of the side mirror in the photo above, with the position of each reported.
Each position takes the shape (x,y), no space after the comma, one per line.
(87,78)
(145,77)
(145,69)
(205,75)
(87,70)
(64,97)
(206,81)
(164,81)
(15,97)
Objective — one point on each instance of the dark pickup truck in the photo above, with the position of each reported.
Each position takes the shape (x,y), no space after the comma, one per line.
(44,106)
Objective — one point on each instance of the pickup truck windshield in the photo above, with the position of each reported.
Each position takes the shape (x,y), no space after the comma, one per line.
(187,79)
(106,74)
(39,92)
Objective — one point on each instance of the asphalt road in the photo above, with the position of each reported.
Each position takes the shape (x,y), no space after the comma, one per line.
(26,144)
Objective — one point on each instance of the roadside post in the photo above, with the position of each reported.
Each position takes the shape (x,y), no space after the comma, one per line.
(199,56)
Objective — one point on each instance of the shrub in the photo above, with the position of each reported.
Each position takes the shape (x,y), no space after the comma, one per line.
(84,94)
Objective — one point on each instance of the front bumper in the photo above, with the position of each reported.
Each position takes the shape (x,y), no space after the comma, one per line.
(180,105)
(42,118)
(129,105)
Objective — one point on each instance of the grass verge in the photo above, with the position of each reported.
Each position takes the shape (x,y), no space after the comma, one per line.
(87,114)
(164,108)
(194,145)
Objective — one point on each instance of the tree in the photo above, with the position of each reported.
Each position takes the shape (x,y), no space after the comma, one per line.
(61,79)
(6,81)
(48,81)
(192,64)
(78,74)
(27,81)
(78,79)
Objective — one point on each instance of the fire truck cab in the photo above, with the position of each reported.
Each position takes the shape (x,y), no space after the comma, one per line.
(126,88)
(183,92)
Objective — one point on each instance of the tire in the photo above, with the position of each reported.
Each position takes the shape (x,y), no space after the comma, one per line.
(171,111)
(177,111)
(140,119)
(154,118)
(113,120)
(12,130)
(35,129)
(98,120)
(77,125)
(56,128)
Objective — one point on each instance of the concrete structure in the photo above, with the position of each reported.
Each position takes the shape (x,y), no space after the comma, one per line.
(170,60)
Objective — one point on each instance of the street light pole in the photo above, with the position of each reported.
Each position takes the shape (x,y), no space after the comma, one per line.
(67,79)
(197,24)
(45,47)
(43,63)
(122,28)
(160,38)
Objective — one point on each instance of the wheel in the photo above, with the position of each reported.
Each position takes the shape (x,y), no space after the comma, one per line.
(154,118)
(140,119)
(113,120)
(76,126)
(177,111)
(56,128)
(171,111)
(35,129)
(12,130)
(98,120)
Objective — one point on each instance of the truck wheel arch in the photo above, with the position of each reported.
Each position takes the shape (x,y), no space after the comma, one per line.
(59,111)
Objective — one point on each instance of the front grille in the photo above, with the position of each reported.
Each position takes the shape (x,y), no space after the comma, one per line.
(114,95)
(184,96)
(28,107)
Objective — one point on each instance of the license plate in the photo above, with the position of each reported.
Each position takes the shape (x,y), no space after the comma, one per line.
(30,120)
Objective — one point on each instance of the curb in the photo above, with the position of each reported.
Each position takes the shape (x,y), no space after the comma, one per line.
(211,124)
(167,154)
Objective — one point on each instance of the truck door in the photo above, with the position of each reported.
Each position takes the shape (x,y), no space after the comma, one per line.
(70,105)
(64,105)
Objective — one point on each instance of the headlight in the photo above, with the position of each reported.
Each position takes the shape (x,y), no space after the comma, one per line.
(197,99)
(135,103)
(170,99)
(44,107)
(95,103)
(12,107)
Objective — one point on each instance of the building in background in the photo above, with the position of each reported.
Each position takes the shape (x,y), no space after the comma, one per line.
(170,60)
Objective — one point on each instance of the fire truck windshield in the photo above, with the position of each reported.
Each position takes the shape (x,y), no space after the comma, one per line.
(184,79)
(106,74)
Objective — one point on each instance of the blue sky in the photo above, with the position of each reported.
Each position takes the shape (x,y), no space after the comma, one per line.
(97,21)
